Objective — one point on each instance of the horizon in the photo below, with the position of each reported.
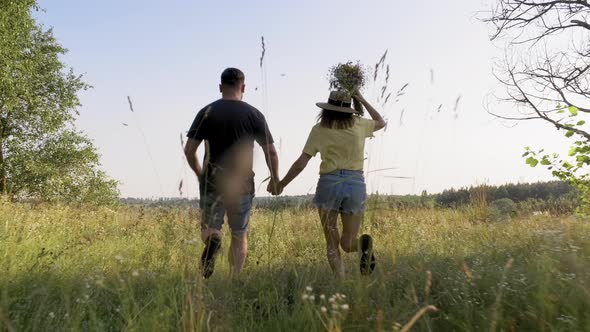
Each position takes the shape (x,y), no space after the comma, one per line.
(378,194)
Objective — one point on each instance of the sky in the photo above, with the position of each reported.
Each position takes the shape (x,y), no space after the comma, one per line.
(167,57)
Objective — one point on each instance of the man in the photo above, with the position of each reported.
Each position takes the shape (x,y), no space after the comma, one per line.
(229,128)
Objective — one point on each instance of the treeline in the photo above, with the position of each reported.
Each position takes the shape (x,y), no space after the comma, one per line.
(555,196)
(168,202)
(259,202)
(521,192)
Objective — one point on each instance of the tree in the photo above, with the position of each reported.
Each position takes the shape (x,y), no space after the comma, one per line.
(42,156)
(546,73)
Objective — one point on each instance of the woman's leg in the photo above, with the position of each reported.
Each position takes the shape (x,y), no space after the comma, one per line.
(330,226)
(351,224)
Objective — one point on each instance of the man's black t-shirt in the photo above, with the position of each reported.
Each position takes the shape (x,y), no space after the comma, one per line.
(229,129)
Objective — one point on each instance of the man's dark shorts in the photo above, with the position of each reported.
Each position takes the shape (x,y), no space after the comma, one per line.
(213,209)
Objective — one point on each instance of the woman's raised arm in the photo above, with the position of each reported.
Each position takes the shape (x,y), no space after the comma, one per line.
(379,122)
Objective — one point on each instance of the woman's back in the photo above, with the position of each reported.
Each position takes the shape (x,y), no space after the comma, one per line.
(340,148)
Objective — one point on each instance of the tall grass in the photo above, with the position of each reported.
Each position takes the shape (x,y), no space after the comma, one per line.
(136,270)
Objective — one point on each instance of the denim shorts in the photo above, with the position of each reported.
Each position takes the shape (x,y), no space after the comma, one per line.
(214,210)
(343,191)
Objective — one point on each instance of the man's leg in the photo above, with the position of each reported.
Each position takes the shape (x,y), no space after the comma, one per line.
(238,219)
(238,250)
(330,226)
(212,220)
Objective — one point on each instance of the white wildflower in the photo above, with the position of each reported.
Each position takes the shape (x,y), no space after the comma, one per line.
(322,297)
(135,274)
(345,307)
(304,297)
(324,309)
(51,315)
(308,288)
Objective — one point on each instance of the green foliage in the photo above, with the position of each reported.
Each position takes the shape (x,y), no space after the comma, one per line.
(532,161)
(572,169)
(502,209)
(137,270)
(41,155)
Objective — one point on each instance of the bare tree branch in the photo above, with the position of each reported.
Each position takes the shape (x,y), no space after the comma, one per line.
(547,73)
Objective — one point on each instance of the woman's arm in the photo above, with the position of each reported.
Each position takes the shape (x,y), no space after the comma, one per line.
(379,122)
(296,169)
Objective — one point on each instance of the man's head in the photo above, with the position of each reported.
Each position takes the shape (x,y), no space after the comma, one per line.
(232,83)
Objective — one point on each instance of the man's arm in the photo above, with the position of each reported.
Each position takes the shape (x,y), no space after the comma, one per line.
(272,160)
(190,151)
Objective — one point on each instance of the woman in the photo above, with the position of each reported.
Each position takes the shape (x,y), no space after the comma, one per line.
(339,137)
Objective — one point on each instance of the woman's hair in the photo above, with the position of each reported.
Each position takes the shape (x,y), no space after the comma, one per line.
(336,120)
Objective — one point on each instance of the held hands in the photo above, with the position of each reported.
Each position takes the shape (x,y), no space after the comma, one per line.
(275,187)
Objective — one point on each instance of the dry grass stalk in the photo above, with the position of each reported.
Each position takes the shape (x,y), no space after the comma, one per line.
(387,98)
(455,113)
(401,117)
(401,92)
(414,296)
(417,317)
(379,64)
(457,103)
(467,271)
(263,52)
(479,200)
(130,104)
(499,294)
(428,284)
(6,321)
(194,309)
(379,321)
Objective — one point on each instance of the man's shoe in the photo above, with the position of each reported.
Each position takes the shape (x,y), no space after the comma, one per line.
(212,249)
(367,263)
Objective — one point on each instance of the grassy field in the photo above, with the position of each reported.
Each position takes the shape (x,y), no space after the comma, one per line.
(99,269)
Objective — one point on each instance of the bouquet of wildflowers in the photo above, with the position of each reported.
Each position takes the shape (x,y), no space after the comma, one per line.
(350,77)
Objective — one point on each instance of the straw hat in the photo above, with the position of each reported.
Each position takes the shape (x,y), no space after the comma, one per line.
(339,101)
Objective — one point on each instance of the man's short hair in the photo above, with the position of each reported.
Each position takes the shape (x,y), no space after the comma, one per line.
(232,77)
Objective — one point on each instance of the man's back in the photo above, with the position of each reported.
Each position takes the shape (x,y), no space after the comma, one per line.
(229,127)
